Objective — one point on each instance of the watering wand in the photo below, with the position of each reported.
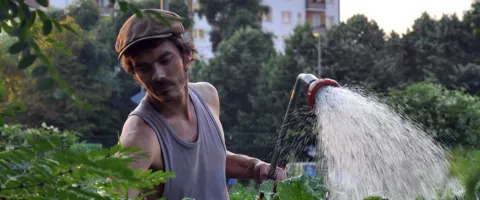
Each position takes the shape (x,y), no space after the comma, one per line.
(314,85)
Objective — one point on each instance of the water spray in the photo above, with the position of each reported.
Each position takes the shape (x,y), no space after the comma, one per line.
(370,150)
(313,85)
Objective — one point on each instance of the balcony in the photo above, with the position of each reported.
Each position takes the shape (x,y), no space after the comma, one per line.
(315,5)
(321,29)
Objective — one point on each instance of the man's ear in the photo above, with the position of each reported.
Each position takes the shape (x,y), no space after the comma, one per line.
(188,60)
(190,57)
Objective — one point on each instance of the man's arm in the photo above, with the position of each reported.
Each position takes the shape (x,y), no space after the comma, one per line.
(237,166)
(242,167)
(136,133)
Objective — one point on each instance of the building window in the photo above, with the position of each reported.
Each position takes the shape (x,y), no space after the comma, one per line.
(194,35)
(201,34)
(196,6)
(190,5)
(190,34)
(323,19)
(286,17)
(330,1)
(330,21)
(316,20)
(299,16)
(267,17)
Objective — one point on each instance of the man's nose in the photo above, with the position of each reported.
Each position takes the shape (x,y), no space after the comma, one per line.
(159,73)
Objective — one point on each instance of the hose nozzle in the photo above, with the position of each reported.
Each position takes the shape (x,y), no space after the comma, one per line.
(315,86)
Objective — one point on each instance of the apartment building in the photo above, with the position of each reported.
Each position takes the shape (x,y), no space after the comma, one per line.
(62,4)
(200,32)
(283,17)
(286,14)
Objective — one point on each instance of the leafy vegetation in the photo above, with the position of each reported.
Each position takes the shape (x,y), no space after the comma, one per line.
(465,166)
(226,17)
(299,187)
(452,116)
(41,163)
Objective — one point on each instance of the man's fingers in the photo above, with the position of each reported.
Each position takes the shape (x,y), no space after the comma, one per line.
(280,175)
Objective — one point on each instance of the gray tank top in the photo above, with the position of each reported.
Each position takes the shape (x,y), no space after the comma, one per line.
(199,167)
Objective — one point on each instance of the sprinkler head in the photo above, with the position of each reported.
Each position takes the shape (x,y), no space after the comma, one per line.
(315,86)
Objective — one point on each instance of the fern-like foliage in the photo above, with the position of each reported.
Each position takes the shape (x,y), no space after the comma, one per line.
(44,166)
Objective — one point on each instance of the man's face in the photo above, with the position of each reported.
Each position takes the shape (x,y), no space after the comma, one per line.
(161,71)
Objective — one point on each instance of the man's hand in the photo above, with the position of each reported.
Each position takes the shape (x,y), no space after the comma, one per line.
(262,169)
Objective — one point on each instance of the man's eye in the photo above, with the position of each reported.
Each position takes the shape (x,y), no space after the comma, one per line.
(142,68)
(166,59)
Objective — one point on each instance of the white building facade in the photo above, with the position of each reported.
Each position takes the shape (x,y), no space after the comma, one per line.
(284,16)
(200,32)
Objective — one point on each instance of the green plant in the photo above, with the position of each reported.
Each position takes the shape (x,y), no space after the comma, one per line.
(299,187)
(14,136)
(43,166)
(86,147)
(467,169)
(375,198)
(240,192)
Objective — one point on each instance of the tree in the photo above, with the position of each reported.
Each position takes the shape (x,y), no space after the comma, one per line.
(466,77)
(350,52)
(452,117)
(278,77)
(434,48)
(235,72)
(226,17)
(57,14)
(86,13)
(12,80)
(384,74)
(179,7)
(472,20)
(93,83)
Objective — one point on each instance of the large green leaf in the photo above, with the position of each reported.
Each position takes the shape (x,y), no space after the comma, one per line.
(69,28)
(158,16)
(45,84)
(40,70)
(27,61)
(17,47)
(43,3)
(47,27)
(123,6)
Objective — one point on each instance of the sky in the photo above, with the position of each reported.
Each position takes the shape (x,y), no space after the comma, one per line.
(398,15)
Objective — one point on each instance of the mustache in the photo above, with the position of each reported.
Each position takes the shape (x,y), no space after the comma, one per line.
(160,85)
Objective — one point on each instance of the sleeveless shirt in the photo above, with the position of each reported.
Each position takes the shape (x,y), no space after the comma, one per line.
(199,167)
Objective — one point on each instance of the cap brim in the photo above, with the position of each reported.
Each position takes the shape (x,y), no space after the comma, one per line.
(141,39)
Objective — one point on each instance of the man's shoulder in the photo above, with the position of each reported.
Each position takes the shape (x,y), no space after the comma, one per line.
(135,130)
(205,88)
(209,94)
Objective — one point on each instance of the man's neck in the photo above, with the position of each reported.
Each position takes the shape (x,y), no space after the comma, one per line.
(180,107)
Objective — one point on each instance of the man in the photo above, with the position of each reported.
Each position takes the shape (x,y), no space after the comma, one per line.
(177,122)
